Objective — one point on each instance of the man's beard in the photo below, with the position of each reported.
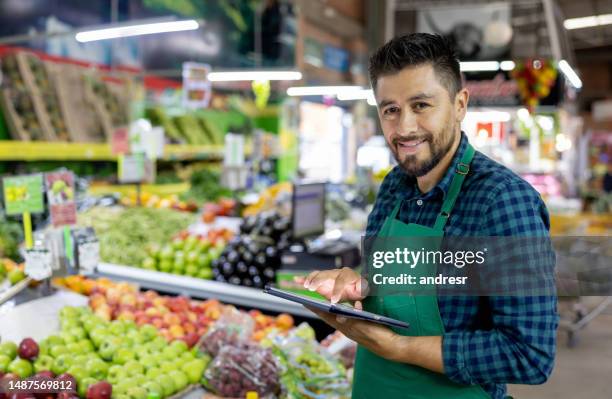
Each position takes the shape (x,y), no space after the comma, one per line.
(411,164)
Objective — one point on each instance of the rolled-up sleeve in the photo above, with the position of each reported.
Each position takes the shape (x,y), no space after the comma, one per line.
(520,346)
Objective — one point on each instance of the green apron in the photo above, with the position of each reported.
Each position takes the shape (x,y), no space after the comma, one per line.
(375,377)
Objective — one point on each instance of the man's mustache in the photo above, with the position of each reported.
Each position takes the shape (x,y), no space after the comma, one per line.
(397,140)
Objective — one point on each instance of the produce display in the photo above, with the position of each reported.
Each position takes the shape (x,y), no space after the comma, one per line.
(11,234)
(205,186)
(269,199)
(105,359)
(223,207)
(149,200)
(188,254)
(125,233)
(252,258)
(11,273)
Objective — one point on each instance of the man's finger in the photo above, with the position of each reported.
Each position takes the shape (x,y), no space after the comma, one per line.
(358,305)
(341,283)
(309,279)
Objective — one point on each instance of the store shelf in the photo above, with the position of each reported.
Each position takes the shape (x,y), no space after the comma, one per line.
(155,189)
(12,150)
(198,288)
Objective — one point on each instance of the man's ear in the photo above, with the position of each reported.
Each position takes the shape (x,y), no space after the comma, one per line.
(461,103)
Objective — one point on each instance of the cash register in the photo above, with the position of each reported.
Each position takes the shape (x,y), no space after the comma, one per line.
(311,248)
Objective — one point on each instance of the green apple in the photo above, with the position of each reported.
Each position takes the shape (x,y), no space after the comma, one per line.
(136,337)
(153,387)
(117,328)
(74,348)
(134,367)
(205,273)
(167,367)
(43,362)
(9,349)
(170,353)
(97,369)
(179,346)
(194,370)
(116,373)
(79,333)
(58,350)
(61,364)
(84,384)
(153,373)
(68,337)
(165,266)
(167,384)
(21,367)
(148,264)
(147,360)
(54,340)
(187,357)
(43,347)
(123,355)
(15,276)
(137,392)
(86,346)
(180,379)
(98,335)
(108,347)
(69,324)
(4,363)
(178,244)
(191,270)
(140,379)
(204,261)
(148,331)
(129,325)
(78,372)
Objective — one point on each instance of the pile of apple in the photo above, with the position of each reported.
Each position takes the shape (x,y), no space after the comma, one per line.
(188,254)
(176,318)
(106,358)
(11,272)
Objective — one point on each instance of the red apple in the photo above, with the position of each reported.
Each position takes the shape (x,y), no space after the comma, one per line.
(28,349)
(68,377)
(100,390)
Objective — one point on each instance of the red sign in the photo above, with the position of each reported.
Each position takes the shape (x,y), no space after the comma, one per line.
(60,193)
(120,141)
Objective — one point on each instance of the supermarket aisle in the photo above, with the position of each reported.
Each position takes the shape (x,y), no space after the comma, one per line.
(580,372)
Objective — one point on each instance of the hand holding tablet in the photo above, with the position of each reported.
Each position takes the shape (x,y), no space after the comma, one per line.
(334,308)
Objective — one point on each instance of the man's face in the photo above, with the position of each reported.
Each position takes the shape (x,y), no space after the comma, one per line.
(418,118)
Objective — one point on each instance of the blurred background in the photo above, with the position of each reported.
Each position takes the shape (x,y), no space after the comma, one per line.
(205,148)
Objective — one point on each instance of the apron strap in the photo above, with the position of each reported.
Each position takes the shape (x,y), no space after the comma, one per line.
(463,167)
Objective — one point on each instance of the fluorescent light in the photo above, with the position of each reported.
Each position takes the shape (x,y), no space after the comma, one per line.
(477,66)
(232,76)
(523,114)
(349,95)
(321,90)
(136,30)
(588,22)
(489,116)
(507,65)
(570,74)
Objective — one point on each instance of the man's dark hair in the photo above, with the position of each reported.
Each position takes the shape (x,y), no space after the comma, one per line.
(418,49)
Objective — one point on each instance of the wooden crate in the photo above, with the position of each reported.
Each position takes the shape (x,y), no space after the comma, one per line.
(35,94)
(81,118)
(14,121)
(98,105)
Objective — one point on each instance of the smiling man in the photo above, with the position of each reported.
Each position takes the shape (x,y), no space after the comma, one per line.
(459,347)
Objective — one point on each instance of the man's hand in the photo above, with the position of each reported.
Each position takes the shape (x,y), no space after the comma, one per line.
(337,285)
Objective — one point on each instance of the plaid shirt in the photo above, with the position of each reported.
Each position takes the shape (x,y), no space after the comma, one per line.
(495,340)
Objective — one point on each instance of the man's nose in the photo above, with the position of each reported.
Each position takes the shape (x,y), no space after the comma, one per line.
(408,123)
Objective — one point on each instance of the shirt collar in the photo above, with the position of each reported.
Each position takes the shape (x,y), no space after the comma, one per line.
(412,190)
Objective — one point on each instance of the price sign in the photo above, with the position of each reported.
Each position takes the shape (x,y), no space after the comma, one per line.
(131,168)
(87,250)
(60,194)
(23,194)
(38,263)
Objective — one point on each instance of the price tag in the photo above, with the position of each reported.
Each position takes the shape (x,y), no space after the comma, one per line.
(131,168)
(197,89)
(38,263)
(60,194)
(23,194)
(89,256)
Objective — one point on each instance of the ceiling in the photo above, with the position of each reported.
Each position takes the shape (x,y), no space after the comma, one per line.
(531,33)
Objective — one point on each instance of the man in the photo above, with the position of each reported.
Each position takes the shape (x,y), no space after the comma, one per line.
(464,346)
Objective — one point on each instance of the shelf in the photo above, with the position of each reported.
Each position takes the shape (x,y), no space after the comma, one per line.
(12,150)
(198,288)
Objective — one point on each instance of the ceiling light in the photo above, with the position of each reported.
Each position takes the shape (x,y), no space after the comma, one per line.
(322,90)
(234,76)
(588,22)
(478,66)
(348,95)
(507,65)
(136,30)
(570,74)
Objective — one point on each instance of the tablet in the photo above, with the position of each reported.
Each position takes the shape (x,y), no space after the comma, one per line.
(335,308)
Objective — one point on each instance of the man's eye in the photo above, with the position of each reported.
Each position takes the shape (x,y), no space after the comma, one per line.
(390,110)
(420,106)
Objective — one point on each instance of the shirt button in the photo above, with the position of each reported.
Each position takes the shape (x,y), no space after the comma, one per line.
(419,202)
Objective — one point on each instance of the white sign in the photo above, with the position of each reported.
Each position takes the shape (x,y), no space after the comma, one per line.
(38,263)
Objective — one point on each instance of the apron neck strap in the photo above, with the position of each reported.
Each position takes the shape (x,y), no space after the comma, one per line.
(463,167)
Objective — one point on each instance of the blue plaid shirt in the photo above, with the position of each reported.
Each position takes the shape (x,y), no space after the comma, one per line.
(495,340)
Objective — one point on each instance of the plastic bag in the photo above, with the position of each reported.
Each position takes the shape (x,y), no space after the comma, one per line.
(341,347)
(239,369)
(308,370)
(232,329)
